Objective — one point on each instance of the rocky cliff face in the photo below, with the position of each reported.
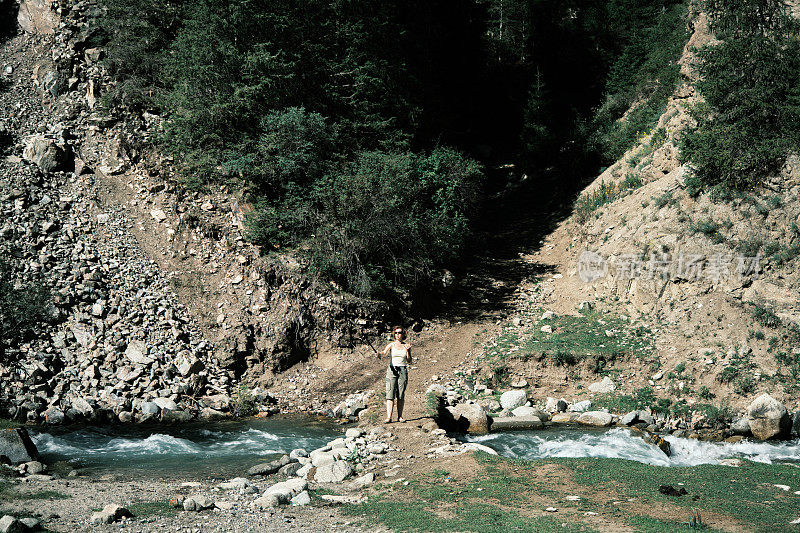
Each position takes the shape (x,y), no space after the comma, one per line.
(159,306)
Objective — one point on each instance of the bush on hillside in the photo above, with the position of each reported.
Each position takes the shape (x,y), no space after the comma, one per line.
(751,85)
(22,310)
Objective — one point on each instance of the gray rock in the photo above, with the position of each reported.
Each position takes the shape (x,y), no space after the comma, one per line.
(237,483)
(298,452)
(301,499)
(596,418)
(333,473)
(768,418)
(321,458)
(516,423)
(290,469)
(629,419)
(267,469)
(740,426)
(110,513)
(605,385)
(436,390)
(354,433)
(17,445)
(513,399)
(286,489)
(796,423)
(31,524)
(53,415)
(377,448)
(166,404)
(188,365)
(364,481)
(45,154)
(267,501)
(175,417)
(34,467)
(554,405)
(197,502)
(477,421)
(646,417)
(580,407)
(150,408)
(83,407)
(136,352)
(9,524)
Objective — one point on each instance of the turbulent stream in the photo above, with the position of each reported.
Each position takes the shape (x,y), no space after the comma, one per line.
(623,444)
(228,449)
(211,449)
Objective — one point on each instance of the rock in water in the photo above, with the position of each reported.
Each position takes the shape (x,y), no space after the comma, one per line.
(509,423)
(477,421)
(768,418)
(17,445)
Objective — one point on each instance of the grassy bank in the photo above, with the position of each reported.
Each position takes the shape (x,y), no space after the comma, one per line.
(511,495)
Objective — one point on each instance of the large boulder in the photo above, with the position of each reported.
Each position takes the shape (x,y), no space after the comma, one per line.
(513,399)
(45,154)
(17,445)
(596,418)
(470,417)
(9,524)
(768,418)
(334,472)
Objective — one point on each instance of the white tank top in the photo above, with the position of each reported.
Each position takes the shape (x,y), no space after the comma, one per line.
(398,356)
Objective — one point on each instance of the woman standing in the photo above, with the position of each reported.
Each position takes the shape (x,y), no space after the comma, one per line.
(397,373)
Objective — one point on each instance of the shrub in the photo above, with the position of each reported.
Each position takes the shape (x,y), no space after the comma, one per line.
(243,403)
(563,358)
(749,82)
(23,309)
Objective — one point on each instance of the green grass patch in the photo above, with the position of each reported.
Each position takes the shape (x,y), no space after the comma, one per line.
(746,493)
(8,424)
(573,340)
(718,498)
(8,492)
(152,509)
(437,502)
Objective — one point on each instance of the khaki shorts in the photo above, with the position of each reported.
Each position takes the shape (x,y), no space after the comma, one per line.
(396,384)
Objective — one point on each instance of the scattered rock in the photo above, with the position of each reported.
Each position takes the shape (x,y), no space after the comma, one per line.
(580,407)
(110,513)
(333,473)
(301,499)
(603,386)
(513,399)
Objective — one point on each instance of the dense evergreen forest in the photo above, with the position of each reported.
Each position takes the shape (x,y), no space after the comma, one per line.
(369,133)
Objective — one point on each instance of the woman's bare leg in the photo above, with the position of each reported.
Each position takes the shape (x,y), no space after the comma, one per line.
(400,404)
(389,408)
